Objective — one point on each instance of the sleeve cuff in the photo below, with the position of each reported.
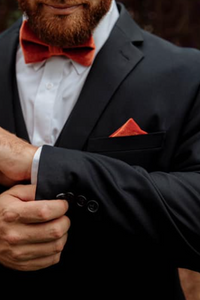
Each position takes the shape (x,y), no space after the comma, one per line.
(35,164)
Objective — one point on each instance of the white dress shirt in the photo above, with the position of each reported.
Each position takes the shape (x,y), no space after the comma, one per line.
(49,90)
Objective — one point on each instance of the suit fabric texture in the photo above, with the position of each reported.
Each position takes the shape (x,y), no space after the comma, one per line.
(134,200)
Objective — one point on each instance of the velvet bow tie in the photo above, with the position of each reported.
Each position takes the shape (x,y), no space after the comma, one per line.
(35,50)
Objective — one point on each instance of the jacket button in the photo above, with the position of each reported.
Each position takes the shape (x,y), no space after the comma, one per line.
(93,206)
(61,196)
(81,200)
(69,196)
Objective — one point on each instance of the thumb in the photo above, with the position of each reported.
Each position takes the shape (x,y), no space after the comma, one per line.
(24,192)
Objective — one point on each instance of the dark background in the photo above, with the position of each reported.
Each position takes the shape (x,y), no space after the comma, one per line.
(175,20)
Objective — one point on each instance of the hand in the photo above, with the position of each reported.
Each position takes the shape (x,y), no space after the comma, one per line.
(16,157)
(32,233)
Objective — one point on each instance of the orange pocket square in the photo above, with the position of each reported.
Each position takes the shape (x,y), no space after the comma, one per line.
(128,129)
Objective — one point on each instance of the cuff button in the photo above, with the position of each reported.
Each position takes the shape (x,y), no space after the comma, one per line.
(69,196)
(81,201)
(92,206)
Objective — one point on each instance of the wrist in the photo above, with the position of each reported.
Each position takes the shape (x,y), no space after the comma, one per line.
(16,156)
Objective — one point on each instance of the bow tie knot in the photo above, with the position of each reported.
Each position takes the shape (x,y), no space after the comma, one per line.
(35,50)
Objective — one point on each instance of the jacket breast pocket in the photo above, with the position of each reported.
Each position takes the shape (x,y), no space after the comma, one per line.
(142,150)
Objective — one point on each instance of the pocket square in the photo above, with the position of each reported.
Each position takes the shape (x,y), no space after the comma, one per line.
(130,128)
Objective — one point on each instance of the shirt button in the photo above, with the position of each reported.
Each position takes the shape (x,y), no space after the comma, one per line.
(49,86)
(93,206)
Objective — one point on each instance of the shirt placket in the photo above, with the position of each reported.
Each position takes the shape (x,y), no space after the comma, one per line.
(44,103)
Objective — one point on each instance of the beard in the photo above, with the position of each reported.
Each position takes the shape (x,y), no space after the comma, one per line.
(64,30)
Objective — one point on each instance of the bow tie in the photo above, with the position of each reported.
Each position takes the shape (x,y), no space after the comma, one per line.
(35,50)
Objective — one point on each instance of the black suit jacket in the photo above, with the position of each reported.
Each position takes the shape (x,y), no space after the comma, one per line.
(134,201)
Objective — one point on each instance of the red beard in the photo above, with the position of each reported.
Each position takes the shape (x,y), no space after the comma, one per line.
(64,30)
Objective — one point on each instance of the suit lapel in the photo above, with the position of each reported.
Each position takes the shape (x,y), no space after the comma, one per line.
(120,56)
(7,56)
(11,117)
(116,59)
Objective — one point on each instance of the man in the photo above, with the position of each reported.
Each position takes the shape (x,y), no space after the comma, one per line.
(112,140)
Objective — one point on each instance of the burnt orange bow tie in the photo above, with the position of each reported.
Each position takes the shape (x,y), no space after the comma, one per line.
(35,50)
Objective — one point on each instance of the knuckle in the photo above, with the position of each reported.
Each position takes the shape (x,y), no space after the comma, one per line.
(56,259)
(12,238)
(14,256)
(10,216)
(43,212)
(58,247)
(17,255)
(56,232)
(23,267)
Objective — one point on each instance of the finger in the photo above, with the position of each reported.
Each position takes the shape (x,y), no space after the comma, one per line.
(35,264)
(29,211)
(34,251)
(40,263)
(38,233)
(40,211)
(23,192)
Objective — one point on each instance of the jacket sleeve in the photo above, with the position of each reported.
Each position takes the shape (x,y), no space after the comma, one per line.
(156,209)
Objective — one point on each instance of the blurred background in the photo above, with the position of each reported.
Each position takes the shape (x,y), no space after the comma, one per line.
(175,20)
(178,21)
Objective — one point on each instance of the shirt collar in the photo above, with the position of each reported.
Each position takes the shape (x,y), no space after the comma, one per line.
(101,33)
